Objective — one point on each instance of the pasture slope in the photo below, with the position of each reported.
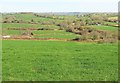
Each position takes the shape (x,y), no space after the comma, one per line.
(58,60)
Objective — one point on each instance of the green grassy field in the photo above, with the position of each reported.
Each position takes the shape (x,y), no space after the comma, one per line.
(108,28)
(57,60)
(25,25)
(62,34)
(13,32)
(29,17)
(43,34)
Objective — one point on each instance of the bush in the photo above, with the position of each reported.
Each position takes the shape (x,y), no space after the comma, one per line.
(76,39)
(68,30)
(94,35)
(109,40)
(83,38)
(61,28)
(5,21)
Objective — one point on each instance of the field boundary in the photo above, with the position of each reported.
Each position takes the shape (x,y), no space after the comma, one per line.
(57,39)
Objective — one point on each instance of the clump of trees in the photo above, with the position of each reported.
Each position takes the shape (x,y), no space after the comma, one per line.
(51,16)
(12,19)
(98,36)
(9,19)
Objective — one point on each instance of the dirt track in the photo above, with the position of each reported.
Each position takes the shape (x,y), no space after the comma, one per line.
(31,29)
(54,39)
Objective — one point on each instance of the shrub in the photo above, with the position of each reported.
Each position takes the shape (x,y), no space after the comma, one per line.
(83,38)
(109,40)
(5,21)
(61,28)
(68,30)
(76,39)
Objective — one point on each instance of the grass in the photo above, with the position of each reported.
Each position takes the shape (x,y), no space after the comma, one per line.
(111,23)
(42,33)
(25,25)
(26,17)
(29,17)
(57,60)
(13,32)
(54,34)
(108,28)
(28,60)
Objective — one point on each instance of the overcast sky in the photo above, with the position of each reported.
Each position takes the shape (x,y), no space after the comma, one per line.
(59,5)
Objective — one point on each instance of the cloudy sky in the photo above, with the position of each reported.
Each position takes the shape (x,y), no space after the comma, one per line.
(59,5)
